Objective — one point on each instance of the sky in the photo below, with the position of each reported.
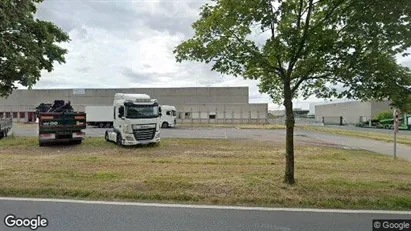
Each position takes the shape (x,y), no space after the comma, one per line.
(129,43)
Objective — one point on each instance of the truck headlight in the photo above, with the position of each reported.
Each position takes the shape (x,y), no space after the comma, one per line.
(125,128)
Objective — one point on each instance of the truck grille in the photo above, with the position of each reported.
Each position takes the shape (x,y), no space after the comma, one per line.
(144,134)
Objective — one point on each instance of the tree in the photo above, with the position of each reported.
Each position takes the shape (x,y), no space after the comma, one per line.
(27,45)
(385,115)
(299,48)
(401,98)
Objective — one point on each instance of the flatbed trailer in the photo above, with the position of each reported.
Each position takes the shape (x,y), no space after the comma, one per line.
(60,124)
(5,127)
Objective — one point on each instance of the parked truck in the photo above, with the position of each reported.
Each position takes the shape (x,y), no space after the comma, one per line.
(5,127)
(404,123)
(103,116)
(136,120)
(168,116)
(59,122)
(100,116)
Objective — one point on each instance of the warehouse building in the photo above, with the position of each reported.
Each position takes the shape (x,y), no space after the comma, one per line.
(194,105)
(349,112)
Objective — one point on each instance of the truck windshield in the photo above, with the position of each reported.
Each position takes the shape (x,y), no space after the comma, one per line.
(141,111)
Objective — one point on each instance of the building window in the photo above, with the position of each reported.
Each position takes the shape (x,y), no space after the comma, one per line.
(211,116)
(187,115)
(1,114)
(22,115)
(8,115)
(14,114)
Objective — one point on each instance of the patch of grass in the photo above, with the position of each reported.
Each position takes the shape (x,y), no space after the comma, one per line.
(205,171)
(401,138)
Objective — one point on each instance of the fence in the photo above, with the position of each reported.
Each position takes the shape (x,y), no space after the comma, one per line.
(223,117)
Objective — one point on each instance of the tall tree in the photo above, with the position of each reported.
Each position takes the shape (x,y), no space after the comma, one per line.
(299,48)
(27,45)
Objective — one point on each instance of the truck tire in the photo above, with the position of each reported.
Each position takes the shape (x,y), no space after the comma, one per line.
(164,125)
(41,144)
(77,141)
(101,125)
(118,140)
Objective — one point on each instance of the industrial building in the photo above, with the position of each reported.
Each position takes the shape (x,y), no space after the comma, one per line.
(194,105)
(351,112)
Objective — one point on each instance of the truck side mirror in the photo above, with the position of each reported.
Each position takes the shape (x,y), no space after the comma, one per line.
(121,112)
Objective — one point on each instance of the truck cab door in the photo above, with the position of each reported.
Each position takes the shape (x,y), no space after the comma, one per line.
(119,117)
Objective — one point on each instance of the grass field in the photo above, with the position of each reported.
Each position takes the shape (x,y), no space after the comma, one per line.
(232,172)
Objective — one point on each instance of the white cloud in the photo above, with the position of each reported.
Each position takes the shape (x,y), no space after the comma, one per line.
(130,44)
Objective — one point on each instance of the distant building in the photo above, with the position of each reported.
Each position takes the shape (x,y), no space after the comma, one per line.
(352,112)
(194,104)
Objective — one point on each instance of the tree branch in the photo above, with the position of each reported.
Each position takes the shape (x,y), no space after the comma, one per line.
(299,15)
(303,39)
(302,79)
(328,15)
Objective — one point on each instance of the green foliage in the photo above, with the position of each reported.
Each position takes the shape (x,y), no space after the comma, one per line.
(27,45)
(385,115)
(326,48)
(299,48)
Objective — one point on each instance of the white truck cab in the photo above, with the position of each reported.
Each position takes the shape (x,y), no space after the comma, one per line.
(136,120)
(168,116)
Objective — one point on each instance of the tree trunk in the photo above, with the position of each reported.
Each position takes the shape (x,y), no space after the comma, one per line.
(289,141)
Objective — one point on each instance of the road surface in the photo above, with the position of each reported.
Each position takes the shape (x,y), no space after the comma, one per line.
(88,215)
(275,135)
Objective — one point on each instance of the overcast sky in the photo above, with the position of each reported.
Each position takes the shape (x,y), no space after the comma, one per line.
(119,43)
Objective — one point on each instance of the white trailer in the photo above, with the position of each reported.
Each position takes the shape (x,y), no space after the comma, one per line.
(168,116)
(101,116)
(136,120)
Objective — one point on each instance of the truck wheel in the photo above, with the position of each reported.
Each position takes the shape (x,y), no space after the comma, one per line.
(101,125)
(77,141)
(118,140)
(108,125)
(164,125)
(41,144)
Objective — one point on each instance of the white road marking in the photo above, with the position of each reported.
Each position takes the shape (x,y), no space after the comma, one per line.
(205,206)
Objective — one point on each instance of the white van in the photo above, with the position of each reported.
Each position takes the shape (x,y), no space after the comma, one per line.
(168,116)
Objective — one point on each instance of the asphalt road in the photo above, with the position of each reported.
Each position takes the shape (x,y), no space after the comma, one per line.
(75,215)
(275,135)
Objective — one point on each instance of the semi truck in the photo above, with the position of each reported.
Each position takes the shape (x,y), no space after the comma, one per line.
(136,120)
(168,116)
(58,122)
(100,116)
(404,123)
(5,127)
